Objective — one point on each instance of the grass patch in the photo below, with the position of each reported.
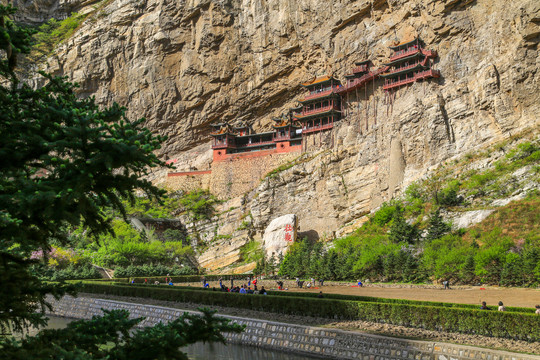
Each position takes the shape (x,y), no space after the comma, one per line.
(251,252)
(52,33)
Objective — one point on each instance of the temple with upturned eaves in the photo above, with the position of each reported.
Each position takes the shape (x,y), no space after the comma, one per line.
(326,102)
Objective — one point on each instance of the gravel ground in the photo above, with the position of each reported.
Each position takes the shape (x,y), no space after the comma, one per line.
(361,326)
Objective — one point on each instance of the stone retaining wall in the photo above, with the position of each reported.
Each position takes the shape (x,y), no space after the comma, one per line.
(326,343)
(188,181)
(237,176)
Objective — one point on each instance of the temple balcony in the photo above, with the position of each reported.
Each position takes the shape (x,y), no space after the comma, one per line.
(320,94)
(430,73)
(220,146)
(405,68)
(282,138)
(404,53)
(398,83)
(361,68)
(320,110)
(254,144)
(312,129)
(359,82)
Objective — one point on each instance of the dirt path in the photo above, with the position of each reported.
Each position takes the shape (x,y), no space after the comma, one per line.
(510,297)
(463,295)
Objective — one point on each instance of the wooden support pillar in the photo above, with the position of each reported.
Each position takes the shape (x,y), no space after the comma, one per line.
(374,103)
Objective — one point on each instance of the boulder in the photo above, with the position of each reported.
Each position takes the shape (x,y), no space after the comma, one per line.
(279,235)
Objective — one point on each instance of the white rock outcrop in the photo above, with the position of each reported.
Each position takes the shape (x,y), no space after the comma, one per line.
(279,234)
(470,218)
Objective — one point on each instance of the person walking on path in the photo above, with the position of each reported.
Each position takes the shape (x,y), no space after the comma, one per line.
(537,310)
(446,285)
(501,306)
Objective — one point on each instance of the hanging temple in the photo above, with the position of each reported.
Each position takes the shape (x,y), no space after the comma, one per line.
(325,102)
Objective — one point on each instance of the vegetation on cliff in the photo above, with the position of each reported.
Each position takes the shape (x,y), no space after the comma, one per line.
(407,240)
(52,33)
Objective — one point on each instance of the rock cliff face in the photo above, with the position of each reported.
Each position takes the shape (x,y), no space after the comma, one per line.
(183,65)
(39,11)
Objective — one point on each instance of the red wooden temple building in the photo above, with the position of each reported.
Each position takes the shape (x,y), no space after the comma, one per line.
(229,141)
(361,75)
(409,63)
(321,107)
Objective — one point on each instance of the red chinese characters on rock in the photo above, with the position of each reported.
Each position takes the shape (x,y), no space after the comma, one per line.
(288,233)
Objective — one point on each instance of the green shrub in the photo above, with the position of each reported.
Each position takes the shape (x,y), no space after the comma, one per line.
(142,207)
(437,227)
(449,195)
(384,214)
(400,230)
(199,204)
(71,272)
(523,326)
(54,32)
(251,252)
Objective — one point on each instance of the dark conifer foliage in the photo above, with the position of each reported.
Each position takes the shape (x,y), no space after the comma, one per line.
(63,160)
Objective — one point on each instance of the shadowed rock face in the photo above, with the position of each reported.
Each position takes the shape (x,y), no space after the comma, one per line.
(186,64)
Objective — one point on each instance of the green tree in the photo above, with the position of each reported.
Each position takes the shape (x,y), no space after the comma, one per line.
(271,265)
(62,161)
(437,227)
(400,230)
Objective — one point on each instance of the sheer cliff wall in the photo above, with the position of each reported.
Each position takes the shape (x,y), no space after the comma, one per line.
(184,65)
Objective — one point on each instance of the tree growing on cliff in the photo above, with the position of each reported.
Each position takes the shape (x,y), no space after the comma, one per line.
(62,161)
(400,230)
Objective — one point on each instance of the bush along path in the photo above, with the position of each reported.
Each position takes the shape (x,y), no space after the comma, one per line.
(513,325)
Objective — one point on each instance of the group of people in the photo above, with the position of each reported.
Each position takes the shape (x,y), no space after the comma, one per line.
(501,307)
(249,288)
(309,284)
(244,289)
